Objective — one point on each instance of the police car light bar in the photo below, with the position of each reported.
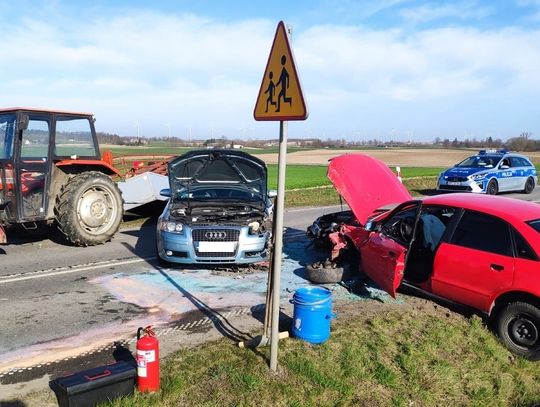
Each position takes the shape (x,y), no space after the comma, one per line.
(492,151)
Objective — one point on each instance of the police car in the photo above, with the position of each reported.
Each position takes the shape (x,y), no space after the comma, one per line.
(490,172)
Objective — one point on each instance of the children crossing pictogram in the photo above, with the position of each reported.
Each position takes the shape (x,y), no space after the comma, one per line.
(271,91)
(282,98)
(284,83)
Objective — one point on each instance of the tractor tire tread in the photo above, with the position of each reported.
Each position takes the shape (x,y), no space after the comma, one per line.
(65,209)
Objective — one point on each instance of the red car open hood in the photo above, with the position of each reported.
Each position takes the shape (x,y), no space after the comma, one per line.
(365,183)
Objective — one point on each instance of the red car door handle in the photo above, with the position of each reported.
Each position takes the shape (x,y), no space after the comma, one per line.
(496,267)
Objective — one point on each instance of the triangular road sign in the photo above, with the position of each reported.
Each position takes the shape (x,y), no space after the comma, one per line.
(280,96)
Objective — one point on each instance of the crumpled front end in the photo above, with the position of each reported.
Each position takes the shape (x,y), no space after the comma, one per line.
(370,189)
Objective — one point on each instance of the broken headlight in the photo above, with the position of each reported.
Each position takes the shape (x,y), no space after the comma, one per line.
(254,228)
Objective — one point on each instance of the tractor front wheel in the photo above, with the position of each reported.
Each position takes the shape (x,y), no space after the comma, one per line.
(89,209)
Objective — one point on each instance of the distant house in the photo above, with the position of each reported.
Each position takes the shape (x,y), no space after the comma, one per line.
(137,141)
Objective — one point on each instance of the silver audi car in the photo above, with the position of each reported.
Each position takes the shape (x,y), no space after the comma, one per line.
(219,209)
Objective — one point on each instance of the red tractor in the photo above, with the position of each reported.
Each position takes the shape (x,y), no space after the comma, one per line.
(51,171)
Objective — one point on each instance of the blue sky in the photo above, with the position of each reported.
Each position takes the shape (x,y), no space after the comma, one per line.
(389,69)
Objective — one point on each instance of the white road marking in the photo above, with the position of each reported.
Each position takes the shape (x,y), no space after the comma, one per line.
(47,273)
(317,208)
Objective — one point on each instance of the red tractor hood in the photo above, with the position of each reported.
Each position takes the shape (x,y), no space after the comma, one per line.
(365,183)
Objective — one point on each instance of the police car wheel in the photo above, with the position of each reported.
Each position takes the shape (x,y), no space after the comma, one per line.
(492,188)
(529,186)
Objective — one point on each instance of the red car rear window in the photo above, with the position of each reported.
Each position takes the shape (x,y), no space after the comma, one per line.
(535,224)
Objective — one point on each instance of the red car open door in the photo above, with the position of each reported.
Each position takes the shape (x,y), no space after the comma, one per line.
(384,254)
(383,260)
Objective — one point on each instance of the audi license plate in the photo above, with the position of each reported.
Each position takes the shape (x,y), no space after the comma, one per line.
(219,247)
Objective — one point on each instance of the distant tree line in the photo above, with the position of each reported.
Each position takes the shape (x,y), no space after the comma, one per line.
(523,142)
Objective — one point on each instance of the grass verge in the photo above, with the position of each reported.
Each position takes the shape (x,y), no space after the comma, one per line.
(393,358)
(309,176)
(299,176)
(326,195)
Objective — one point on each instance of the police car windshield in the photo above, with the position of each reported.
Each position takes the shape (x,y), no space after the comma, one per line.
(535,224)
(480,161)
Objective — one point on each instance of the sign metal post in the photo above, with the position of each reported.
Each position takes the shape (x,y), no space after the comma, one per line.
(280,99)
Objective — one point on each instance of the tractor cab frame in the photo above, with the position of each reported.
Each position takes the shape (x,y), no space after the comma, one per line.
(51,171)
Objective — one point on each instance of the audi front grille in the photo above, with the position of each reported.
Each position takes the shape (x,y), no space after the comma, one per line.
(214,235)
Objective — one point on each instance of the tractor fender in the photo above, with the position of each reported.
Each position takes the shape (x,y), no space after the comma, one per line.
(63,170)
(88,165)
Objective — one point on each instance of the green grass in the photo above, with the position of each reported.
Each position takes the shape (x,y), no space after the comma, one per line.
(308,186)
(299,176)
(312,197)
(308,176)
(395,358)
(327,195)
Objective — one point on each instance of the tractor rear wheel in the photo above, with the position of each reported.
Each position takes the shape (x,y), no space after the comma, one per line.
(89,209)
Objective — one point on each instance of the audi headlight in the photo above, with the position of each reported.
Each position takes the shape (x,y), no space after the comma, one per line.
(171,226)
(478,177)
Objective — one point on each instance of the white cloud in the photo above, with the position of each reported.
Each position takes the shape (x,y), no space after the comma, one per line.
(424,66)
(197,72)
(456,10)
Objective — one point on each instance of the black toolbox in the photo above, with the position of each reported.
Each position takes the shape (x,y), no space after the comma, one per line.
(96,385)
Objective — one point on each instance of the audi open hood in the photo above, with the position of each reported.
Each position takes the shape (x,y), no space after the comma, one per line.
(217,167)
(365,183)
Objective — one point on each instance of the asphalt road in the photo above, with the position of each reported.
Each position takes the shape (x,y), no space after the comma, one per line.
(59,301)
(50,291)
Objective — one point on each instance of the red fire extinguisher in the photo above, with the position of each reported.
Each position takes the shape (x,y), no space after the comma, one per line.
(147,360)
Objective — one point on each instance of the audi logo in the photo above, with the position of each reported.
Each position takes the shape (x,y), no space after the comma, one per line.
(215,235)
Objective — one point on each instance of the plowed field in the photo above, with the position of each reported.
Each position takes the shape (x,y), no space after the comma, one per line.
(392,157)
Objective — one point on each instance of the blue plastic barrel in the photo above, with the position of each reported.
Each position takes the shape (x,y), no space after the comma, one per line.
(312,314)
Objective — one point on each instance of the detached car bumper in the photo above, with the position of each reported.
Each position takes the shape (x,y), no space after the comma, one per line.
(212,245)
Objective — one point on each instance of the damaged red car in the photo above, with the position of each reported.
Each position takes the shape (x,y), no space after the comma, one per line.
(479,251)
